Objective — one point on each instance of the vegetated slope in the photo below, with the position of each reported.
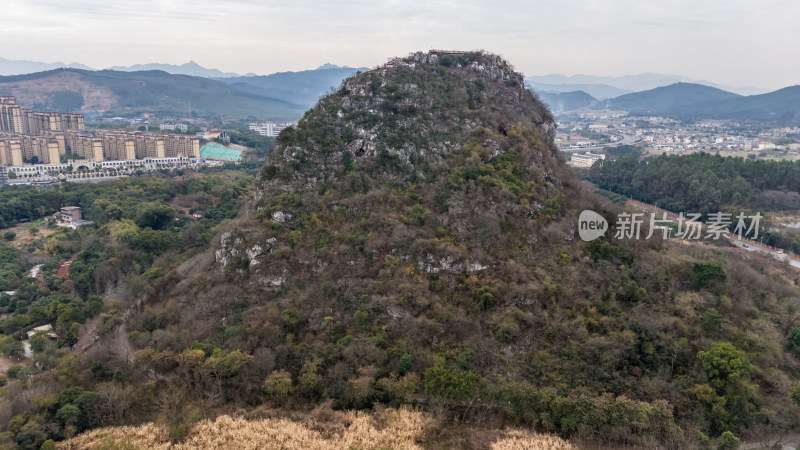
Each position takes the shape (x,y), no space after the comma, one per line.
(155,92)
(566,101)
(413,240)
(304,87)
(782,106)
(667,98)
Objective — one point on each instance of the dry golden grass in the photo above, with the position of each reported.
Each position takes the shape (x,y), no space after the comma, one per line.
(387,429)
(527,440)
(399,429)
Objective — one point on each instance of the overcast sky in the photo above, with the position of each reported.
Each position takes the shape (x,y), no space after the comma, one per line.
(731,42)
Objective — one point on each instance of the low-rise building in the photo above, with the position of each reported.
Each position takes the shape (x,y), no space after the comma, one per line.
(67,215)
(585,159)
(182,127)
(216,134)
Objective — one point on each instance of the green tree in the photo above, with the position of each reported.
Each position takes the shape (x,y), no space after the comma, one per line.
(39,341)
(727,441)
(705,273)
(793,339)
(9,236)
(154,215)
(123,230)
(11,347)
(104,211)
(279,385)
(152,241)
(794,393)
(14,372)
(449,387)
(69,414)
(724,363)
(712,320)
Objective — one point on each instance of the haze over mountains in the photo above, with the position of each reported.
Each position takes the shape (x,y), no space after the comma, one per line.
(688,101)
(603,87)
(129,94)
(304,87)
(19,67)
(193,90)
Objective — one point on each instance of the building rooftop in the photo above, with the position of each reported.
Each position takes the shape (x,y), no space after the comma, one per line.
(212,150)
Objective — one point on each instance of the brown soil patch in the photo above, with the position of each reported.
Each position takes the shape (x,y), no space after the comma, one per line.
(29,92)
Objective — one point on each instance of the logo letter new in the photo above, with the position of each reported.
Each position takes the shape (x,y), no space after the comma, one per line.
(591,225)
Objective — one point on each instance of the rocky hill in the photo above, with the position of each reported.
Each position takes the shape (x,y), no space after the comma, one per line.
(413,241)
(447,154)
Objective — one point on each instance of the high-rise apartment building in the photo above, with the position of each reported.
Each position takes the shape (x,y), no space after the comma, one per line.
(10,151)
(60,137)
(180,145)
(11,119)
(40,149)
(15,119)
(120,147)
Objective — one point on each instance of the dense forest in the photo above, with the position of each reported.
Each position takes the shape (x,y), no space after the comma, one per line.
(705,183)
(702,182)
(141,224)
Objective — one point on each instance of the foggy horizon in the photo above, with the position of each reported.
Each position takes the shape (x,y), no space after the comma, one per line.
(736,44)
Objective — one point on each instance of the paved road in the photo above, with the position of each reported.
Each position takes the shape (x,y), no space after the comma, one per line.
(777,254)
(627,139)
(744,243)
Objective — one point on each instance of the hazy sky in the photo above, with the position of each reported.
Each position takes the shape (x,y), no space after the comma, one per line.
(732,42)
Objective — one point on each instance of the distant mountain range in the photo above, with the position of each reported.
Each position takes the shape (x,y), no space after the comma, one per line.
(598,91)
(17,67)
(695,101)
(168,89)
(629,83)
(566,101)
(666,98)
(305,87)
(202,92)
(190,68)
(117,93)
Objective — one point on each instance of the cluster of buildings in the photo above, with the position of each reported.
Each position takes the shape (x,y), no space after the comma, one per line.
(664,134)
(117,145)
(19,120)
(269,128)
(715,136)
(33,136)
(42,137)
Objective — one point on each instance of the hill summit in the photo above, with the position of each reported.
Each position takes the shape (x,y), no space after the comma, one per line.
(433,158)
(418,109)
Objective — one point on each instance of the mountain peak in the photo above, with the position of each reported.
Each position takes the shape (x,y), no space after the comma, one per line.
(419,108)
